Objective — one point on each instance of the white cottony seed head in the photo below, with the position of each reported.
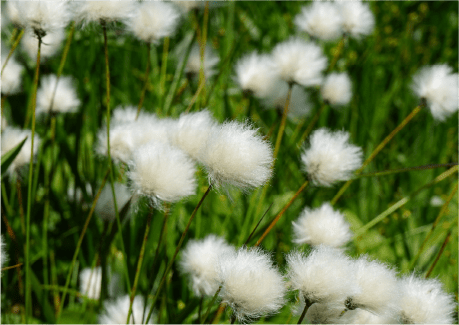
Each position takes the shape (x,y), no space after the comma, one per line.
(192,131)
(154,20)
(254,73)
(437,84)
(361,316)
(43,17)
(91,282)
(331,157)
(379,289)
(50,45)
(321,226)
(299,104)
(358,20)
(193,65)
(337,89)
(116,312)
(298,61)
(251,285)
(325,275)
(322,313)
(11,76)
(162,173)
(236,155)
(424,302)
(321,20)
(88,11)
(62,99)
(199,261)
(105,206)
(12,137)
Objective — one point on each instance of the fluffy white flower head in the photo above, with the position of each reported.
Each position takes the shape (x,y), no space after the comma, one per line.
(337,89)
(331,157)
(321,20)
(361,316)
(437,84)
(199,261)
(424,302)
(43,16)
(321,226)
(11,137)
(91,282)
(192,131)
(162,173)
(154,20)
(116,312)
(124,115)
(193,65)
(251,285)
(12,13)
(51,43)
(379,290)
(88,11)
(298,61)
(254,73)
(235,154)
(324,276)
(11,76)
(358,20)
(322,313)
(4,256)
(65,97)
(299,104)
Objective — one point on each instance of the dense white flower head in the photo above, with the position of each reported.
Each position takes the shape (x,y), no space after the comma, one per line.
(116,311)
(299,61)
(192,131)
(199,261)
(4,256)
(424,301)
(324,276)
(105,206)
(91,282)
(337,89)
(125,114)
(361,316)
(11,137)
(236,155)
(322,313)
(154,20)
(89,11)
(162,173)
(43,17)
(437,84)
(299,104)
(331,157)
(321,20)
(251,285)
(65,96)
(193,65)
(358,20)
(254,73)
(321,226)
(51,44)
(379,289)
(12,13)
(11,76)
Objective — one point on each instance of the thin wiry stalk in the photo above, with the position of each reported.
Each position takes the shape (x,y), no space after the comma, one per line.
(403,201)
(442,248)
(402,170)
(211,304)
(281,213)
(313,122)
(139,264)
(28,293)
(413,113)
(145,86)
(283,121)
(256,227)
(80,241)
(195,97)
(15,44)
(221,308)
(307,304)
(20,202)
(337,53)
(11,267)
(443,209)
(179,245)
(162,80)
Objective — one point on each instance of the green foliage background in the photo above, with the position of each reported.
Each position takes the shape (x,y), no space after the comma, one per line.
(408,35)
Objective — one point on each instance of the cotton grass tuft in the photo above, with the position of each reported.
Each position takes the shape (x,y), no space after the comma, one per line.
(321,20)
(65,96)
(116,311)
(337,89)
(358,20)
(11,76)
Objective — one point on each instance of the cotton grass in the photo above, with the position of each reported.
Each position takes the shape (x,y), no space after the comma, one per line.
(62,99)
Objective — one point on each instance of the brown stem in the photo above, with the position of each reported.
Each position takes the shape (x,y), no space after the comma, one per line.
(313,122)
(307,304)
(281,213)
(283,121)
(145,86)
(443,246)
(16,43)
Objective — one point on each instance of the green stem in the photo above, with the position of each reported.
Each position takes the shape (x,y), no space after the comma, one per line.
(179,245)
(283,121)
(403,201)
(337,53)
(402,170)
(145,86)
(139,266)
(28,293)
(307,304)
(16,43)
(313,122)
(442,248)
(413,113)
(162,80)
(211,304)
